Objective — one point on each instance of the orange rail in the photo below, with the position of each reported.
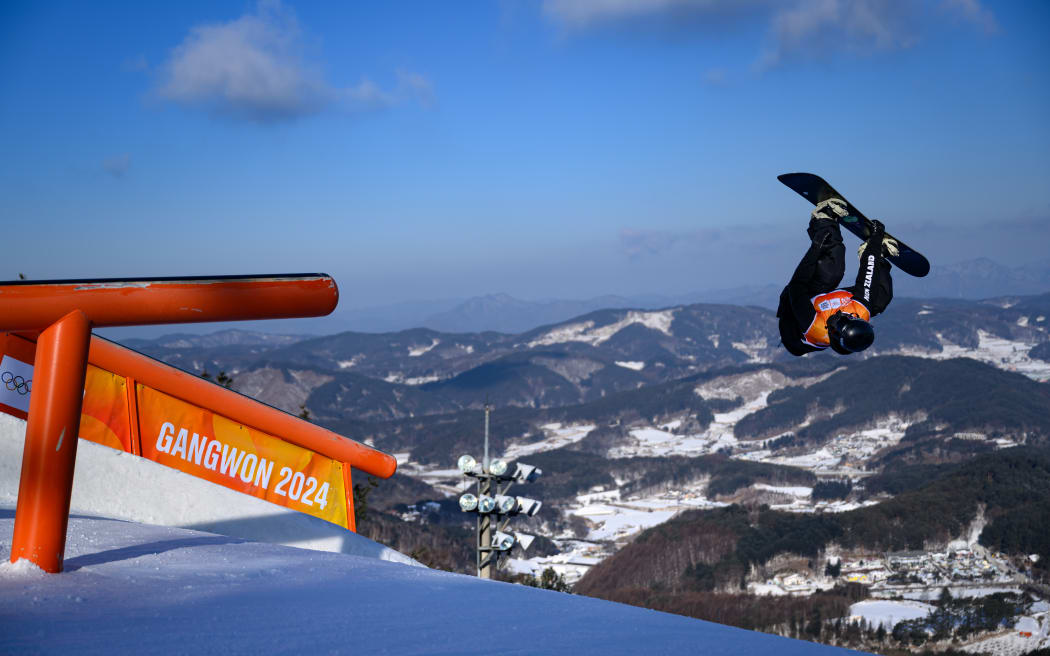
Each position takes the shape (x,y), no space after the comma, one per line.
(33,306)
(46,482)
(62,313)
(192,389)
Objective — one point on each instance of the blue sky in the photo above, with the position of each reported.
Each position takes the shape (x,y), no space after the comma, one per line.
(558,149)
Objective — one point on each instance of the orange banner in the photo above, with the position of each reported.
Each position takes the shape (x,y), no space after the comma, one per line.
(207,445)
(172,432)
(104,416)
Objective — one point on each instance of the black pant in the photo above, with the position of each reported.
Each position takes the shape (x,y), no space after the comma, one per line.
(830,256)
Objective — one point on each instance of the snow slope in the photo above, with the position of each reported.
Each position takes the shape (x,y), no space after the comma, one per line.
(132,587)
(148,589)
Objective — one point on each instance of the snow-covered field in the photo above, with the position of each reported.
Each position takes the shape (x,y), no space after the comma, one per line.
(132,587)
(888,613)
(556,436)
(844,453)
(1015,642)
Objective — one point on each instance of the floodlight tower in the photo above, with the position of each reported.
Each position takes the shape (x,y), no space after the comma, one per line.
(494,507)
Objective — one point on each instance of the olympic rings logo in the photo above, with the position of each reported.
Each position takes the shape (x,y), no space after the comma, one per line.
(16,383)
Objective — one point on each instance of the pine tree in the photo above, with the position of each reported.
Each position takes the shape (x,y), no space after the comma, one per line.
(224,380)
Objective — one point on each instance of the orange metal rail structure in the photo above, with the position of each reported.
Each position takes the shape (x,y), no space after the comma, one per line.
(59,316)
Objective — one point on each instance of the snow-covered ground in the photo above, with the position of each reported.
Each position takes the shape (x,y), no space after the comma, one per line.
(888,613)
(586,332)
(844,453)
(133,587)
(662,441)
(556,436)
(1002,353)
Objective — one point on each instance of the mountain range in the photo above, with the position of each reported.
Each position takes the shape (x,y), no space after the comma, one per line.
(970,280)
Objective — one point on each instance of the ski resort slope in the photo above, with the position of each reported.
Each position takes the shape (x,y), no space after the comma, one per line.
(133,588)
(137,587)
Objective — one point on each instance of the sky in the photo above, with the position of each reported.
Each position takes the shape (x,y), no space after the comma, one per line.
(545,149)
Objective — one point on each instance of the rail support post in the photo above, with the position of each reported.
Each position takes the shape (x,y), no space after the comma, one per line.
(50,454)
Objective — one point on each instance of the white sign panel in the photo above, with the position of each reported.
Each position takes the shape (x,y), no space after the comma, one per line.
(16,383)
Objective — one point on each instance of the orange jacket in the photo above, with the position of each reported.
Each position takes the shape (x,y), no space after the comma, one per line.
(826,305)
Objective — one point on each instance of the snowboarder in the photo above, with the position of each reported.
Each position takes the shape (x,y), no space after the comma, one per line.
(814,312)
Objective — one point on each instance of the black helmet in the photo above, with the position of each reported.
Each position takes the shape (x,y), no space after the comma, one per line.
(848,334)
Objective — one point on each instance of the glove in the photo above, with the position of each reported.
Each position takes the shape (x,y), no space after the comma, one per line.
(831,209)
(888,246)
(878,231)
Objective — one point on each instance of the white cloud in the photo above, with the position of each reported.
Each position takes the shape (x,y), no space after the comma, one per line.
(255,68)
(808,28)
(862,26)
(972,11)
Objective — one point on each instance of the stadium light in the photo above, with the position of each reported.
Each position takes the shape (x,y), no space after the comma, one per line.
(505,504)
(524,540)
(527,506)
(518,471)
(526,473)
(502,541)
(498,467)
(494,507)
(468,502)
(467,464)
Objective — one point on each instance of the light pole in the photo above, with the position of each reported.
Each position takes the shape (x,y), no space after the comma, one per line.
(494,507)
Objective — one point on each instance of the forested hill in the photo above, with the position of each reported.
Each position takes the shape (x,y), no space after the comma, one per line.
(940,398)
(716,549)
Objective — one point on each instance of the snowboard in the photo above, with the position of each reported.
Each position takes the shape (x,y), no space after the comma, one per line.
(814,189)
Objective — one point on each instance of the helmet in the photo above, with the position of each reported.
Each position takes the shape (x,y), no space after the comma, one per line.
(848,334)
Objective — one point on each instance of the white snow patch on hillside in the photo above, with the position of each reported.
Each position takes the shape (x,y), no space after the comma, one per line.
(753,349)
(555,437)
(1007,354)
(636,366)
(845,452)
(615,522)
(352,362)
(1013,643)
(399,379)
(417,351)
(888,613)
(586,332)
(755,388)
(790,490)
